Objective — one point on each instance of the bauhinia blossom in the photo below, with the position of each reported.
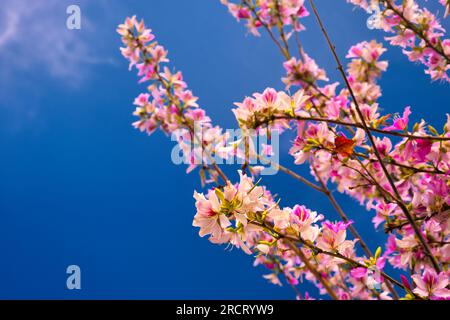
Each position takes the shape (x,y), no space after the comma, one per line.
(432,285)
(245,215)
(303,72)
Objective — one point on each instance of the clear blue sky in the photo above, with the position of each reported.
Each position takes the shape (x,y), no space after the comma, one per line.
(78,185)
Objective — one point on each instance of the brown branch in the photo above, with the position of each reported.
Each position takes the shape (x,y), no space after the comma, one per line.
(389,227)
(314,271)
(356,125)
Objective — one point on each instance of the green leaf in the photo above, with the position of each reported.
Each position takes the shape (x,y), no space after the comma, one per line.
(219,194)
(433,130)
(377,253)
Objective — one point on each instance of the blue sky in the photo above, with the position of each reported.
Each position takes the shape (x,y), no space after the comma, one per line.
(78,185)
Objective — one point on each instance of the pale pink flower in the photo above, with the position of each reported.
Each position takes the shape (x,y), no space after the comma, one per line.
(273,278)
(208,217)
(333,236)
(142,99)
(302,220)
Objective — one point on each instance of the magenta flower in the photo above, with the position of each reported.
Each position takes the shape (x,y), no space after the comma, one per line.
(401,123)
(358,273)
(243,13)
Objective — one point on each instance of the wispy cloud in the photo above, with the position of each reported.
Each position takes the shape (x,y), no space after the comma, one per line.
(11,19)
(38,52)
(33,35)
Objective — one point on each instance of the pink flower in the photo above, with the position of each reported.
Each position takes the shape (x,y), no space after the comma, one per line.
(243,13)
(358,273)
(288,14)
(384,211)
(333,236)
(273,278)
(208,217)
(404,21)
(303,72)
(142,99)
(257,112)
(423,148)
(405,282)
(384,145)
(146,71)
(268,97)
(401,123)
(302,220)
(432,285)
(365,65)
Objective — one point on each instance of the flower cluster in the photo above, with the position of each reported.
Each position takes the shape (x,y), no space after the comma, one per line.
(169,100)
(363,71)
(420,167)
(365,66)
(169,104)
(272,108)
(417,31)
(303,72)
(269,13)
(245,215)
(236,203)
(398,169)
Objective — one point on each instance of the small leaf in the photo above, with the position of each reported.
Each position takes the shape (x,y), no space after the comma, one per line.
(433,130)
(219,194)
(378,253)
(343,145)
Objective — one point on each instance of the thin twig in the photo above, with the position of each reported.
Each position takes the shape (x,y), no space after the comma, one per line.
(291,173)
(358,125)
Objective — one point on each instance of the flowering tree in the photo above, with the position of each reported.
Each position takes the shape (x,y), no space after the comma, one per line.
(399,171)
